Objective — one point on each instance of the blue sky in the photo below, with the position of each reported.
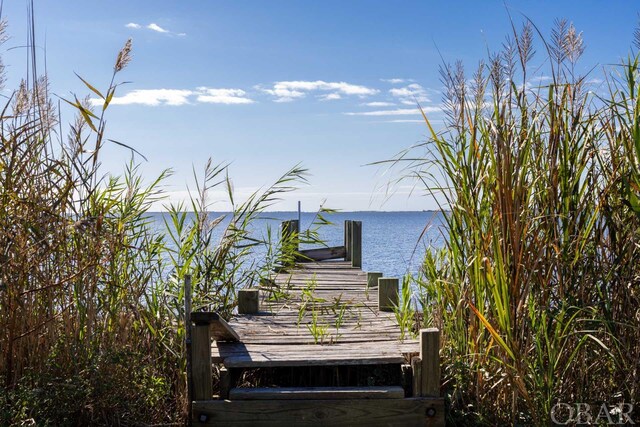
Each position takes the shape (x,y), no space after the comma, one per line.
(268,84)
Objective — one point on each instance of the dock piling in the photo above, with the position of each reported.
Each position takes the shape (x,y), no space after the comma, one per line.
(372,279)
(356,244)
(248,301)
(388,293)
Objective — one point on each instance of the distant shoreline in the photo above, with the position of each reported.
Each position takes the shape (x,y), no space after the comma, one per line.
(314,212)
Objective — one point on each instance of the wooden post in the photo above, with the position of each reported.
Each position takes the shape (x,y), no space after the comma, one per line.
(407,380)
(248,301)
(416,376)
(187,342)
(372,279)
(289,240)
(225,383)
(388,294)
(347,239)
(356,244)
(201,362)
(430,355)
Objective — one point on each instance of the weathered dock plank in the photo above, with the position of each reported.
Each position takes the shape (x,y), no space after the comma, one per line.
(326,315)
(354,412)
(325,341)
(320,393)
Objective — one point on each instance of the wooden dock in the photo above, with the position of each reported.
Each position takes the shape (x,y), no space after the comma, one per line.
(316,344)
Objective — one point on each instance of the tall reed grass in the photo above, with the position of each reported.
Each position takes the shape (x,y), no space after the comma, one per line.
(537,290)
(91,292)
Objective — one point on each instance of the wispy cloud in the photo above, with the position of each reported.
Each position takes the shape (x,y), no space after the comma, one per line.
(405,121)
(330,97)
(153,27)
(379,104)
(178,97)
(397,112)
(287,91)
(223,96)
(152,97)
(157,28)
(396,81)
(410,94)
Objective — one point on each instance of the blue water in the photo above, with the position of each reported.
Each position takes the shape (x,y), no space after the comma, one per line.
(393,243)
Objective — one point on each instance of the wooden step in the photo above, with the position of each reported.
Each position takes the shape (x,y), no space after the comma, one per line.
(312,413)
(318,393)
(245,355)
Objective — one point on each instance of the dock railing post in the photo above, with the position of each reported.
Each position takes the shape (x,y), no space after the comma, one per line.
(347,239)
(356,244)
(202,387)
(430,362)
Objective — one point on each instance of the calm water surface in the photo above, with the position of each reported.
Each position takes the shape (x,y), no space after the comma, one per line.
(392,242)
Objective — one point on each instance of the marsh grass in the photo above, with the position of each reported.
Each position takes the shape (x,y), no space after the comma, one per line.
(538,286)
(91,291)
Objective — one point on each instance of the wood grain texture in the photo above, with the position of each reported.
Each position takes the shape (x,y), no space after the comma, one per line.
(322,254)
(430,355)
(352,412)
(248,301)
(220,329)
(388,293)
(318,393)
(333,295)
(202,386)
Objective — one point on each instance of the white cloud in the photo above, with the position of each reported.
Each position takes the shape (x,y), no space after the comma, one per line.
(177,97)
(405,121)
(223,96)
(151,97)
(410,94)
(378,104)
(287,91)
(396,112)
(155,27)
(540,78)
(396,81)
(330,97)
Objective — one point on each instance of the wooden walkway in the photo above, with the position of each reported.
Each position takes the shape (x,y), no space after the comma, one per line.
(322,344)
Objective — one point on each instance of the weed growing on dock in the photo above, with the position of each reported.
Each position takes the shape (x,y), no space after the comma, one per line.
(405,312)
(319,330)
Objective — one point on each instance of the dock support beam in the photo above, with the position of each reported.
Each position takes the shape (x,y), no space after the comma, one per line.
(201,361)
(388,293)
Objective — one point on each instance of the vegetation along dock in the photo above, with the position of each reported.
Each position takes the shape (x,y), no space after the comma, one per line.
(319,343)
